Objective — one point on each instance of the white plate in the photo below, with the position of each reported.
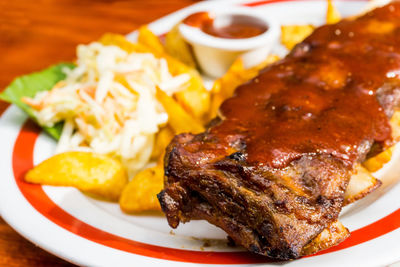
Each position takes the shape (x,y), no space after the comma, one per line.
(86,231)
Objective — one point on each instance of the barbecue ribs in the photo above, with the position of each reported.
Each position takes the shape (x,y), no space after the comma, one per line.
(271,170)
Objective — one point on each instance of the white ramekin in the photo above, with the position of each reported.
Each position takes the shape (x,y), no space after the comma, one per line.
(215,55)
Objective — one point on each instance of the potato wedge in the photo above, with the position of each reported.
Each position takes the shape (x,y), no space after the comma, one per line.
(226,85)
(163,138)
(330,236)
(375,163)
(150,40)
(93,173)
(395,124)
(195,99)
(123,43)
(237,74)
(291,35)
(361,184)
(332,14)
(141,193)
(177,47)
(178,119)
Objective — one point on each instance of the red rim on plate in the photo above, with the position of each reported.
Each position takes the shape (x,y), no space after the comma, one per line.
(22,161)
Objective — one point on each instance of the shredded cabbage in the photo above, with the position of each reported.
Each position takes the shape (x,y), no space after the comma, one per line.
(108,103)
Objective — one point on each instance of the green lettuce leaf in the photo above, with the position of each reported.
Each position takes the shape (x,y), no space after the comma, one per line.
(29,85)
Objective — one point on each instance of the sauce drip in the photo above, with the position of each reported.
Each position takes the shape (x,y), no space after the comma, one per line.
(232,27)
(323,98)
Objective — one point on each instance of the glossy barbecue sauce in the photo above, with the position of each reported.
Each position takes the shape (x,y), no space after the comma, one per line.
(321,99)
(231,27)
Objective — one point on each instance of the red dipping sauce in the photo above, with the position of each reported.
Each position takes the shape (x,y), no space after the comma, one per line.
(227,26)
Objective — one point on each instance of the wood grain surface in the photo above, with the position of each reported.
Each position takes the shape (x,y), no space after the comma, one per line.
(35,34)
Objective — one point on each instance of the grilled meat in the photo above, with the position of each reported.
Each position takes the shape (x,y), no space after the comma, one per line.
(272,169)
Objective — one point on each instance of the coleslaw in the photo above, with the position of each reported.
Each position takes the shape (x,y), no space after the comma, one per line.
(108,103)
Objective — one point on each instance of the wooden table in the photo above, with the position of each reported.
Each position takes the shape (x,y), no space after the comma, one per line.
(35,34)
